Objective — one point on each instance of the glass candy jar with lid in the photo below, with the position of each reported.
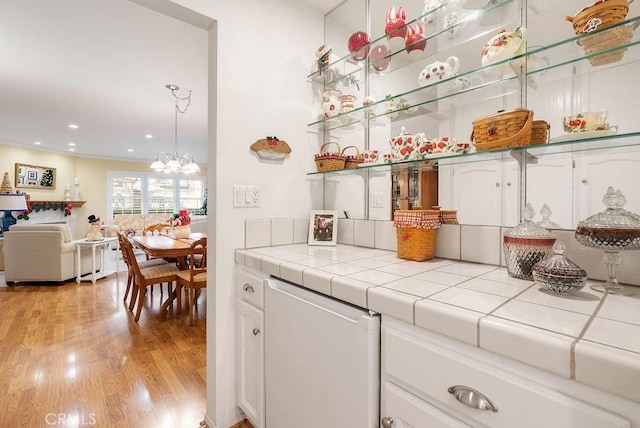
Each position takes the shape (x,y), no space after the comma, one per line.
(525,245)
(612,230)
(559,275)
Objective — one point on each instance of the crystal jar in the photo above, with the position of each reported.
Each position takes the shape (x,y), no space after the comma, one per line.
(559,275)
(612,230)
(525,245)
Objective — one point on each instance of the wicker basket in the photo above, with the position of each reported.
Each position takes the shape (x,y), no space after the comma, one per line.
(540,132)
(352,161)
(329,161)
(446,216)
(601,14)
(416,233)
(503,130)
(607,40)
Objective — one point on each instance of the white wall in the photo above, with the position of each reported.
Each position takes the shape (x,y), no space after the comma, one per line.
(257,88)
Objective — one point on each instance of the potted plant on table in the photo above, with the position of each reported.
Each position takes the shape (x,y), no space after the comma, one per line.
(180,223)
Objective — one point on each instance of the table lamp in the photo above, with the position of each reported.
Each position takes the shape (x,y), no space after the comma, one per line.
(11,202)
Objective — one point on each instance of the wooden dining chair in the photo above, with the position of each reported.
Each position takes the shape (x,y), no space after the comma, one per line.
(156,229)
(130,273)
(195,278)
(143,278)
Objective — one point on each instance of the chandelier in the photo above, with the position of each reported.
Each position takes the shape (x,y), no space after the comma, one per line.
(173,163)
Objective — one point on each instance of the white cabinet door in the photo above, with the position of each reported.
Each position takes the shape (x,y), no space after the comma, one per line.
(597,171)
(477,193)
(550,182)
(401,409)
(251,368)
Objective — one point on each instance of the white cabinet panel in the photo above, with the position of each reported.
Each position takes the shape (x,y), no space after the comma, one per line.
(597,171)
(410,359)
(403,410)
(251,368)
(477,193)
(251,288)
(550,182)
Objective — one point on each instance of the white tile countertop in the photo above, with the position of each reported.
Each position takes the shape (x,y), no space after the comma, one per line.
(588,336)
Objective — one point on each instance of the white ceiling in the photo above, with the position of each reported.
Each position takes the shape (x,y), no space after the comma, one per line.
(103,65)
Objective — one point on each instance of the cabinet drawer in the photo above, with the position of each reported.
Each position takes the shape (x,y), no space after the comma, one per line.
(251,288)
(430,370)
(403,410)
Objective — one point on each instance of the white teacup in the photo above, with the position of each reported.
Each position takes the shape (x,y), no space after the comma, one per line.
(465,82)
(586,122)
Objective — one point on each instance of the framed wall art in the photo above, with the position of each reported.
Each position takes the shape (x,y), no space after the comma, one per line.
(323,228)
(35,177)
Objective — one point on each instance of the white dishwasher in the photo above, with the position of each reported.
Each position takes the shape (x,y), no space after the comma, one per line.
(322,361)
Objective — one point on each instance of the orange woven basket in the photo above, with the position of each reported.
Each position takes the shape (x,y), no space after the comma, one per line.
(503,130)
(607,40)
(601,14)
(416,233)
(329,161)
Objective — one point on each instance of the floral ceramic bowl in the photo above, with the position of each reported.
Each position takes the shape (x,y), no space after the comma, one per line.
(586,122)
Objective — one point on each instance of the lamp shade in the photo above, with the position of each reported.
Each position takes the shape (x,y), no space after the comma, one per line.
(13,202)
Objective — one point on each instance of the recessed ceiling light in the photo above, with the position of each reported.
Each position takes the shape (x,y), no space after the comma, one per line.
(73,126)
(72,150)
(148,136)
(130,150)
(72,144)
(37,143)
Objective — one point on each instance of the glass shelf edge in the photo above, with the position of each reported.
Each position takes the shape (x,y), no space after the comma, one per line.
(536,150)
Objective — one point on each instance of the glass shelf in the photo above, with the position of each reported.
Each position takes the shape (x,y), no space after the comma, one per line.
(425,99)
(616,141)
(349,67)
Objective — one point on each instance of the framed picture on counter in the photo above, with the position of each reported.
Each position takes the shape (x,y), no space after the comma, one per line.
(323,227)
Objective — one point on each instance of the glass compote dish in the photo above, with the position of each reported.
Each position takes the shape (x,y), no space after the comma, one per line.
(612,230)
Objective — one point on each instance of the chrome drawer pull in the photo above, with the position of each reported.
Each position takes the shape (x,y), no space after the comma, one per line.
(248,288)
(472,398)
(256,331)
(387,422)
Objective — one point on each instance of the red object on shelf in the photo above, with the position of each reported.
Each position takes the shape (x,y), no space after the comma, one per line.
(415,42)
(395,24)
(358,45)
(379,57)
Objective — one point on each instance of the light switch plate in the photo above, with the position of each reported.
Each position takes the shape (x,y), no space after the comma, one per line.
(246,196)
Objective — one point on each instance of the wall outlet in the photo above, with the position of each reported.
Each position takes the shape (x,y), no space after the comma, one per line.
(246,196)
(252,196)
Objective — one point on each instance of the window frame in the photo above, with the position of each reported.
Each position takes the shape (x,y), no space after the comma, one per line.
(144,186)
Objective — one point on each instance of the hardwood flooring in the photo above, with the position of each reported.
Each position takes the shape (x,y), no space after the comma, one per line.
(71,355)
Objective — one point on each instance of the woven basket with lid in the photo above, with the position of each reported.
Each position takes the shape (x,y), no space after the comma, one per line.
(416,233)
(503,130)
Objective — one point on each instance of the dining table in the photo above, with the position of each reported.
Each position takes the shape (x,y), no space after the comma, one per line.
(167,247)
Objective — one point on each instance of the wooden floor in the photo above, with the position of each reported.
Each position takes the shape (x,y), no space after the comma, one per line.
(72,356)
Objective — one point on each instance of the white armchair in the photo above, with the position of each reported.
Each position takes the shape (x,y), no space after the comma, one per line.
(42,252)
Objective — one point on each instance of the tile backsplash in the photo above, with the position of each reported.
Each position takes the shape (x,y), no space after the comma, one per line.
(478,244)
